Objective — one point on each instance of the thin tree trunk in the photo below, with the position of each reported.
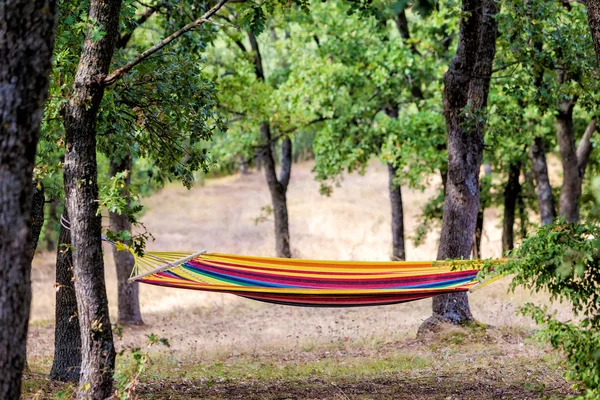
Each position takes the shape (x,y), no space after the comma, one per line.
(570,192)
(396,205)
(466,88)
(398,249)
(128,293)
(522,215)
(512,191)
(278,191)
(277,186)
(243,166)
(66,365)
(26,44)
(484,203)
(36,221)
(258,162)
(81,194)
(37,216)
(50,225)
(543,189)
(478,233)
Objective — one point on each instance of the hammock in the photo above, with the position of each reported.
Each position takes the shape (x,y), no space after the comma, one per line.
(307,283)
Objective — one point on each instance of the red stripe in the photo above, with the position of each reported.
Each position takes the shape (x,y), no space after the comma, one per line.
(334,283)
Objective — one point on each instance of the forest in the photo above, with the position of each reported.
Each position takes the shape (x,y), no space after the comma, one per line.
(439,149)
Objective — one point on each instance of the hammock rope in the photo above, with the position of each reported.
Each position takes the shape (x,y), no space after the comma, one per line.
(310,283)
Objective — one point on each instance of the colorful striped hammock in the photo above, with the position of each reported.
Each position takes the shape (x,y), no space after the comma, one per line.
(307,283)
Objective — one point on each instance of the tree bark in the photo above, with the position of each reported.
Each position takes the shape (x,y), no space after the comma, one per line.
(512,191)
(466,90)
(395,191)
(128,293)
(81,194)
(258,162)
(26,45)
(570,192)
(543,189)
(593,13)
(278,189)
(50,225)
(277,186)
(484,202)
(398,249)
(37,216)
(66,365)
(478,233)
(243,165)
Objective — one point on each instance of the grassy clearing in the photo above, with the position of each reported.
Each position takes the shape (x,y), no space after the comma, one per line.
(226,347)
(458,363)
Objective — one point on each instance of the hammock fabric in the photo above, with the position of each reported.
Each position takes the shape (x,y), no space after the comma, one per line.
(307,283)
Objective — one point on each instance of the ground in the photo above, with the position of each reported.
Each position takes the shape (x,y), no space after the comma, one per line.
(225,347)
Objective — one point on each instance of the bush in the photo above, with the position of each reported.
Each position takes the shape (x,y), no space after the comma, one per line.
(563,259)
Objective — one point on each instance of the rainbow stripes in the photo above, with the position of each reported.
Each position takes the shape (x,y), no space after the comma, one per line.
(308,283)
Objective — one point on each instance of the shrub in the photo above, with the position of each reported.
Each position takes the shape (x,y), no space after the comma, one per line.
(563,259)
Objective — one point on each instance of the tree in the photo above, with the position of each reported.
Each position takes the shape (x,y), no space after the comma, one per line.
(257,125)
(467,83)
(81,193)
(27,31)
(156,114)
(553,72)
(128,293)
(373,89)
(277,185)
(66,364)
(80,117)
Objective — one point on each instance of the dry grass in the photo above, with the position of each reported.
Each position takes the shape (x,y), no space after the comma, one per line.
(354,223)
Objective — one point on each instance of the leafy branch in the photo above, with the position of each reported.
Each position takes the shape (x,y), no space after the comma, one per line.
(119,72)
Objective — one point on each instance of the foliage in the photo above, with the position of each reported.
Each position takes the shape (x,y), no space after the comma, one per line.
(563,259)
(161,113)
(128,374)
(364,67)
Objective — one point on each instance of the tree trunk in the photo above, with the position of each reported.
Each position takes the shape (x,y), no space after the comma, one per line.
(128,293)
(398,249)
(26,44)
(522,215)
(512,191)
(277,187)
(484,203)
(258,162)
(66,365)
(593,13)
(465,97)
(50,225)
(570,192)
(543,189)
(243,165)
(37,216)
(81,195)
(478,233)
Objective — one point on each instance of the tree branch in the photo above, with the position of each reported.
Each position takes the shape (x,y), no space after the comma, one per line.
(124,39)
(118,73)
(258,67)
(585,147)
